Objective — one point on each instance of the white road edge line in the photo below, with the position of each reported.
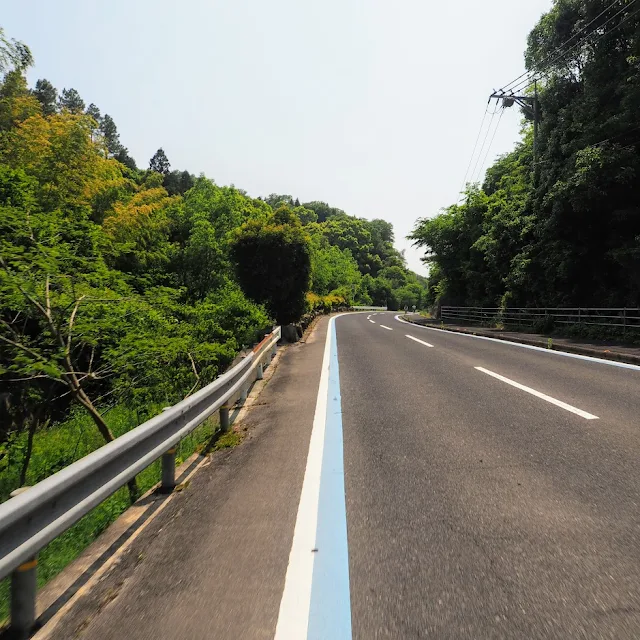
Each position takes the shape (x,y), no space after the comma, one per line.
(538,394)
(384,327)
(293,618)
(426,344)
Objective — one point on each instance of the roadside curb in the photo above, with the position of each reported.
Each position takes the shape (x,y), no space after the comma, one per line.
(583,351)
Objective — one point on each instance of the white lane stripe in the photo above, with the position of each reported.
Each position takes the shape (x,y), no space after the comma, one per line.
(293,618)
(538,394)
(426,344)
(371,321)
(387,328)
(566,354)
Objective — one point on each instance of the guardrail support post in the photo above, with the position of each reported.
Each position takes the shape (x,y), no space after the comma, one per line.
(23,598)
(224,418)
(168,471)
(260,371)
(243,395)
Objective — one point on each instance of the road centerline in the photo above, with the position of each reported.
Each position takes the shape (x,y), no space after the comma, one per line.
(538,394)
(382,326)
(426,344)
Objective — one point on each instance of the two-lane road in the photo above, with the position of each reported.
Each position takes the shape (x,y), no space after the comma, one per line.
(399,482)
(491,490)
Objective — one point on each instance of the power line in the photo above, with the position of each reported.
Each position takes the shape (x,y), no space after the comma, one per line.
(522,86)
(484,142)
(564,44)
(475,146)
(484,162)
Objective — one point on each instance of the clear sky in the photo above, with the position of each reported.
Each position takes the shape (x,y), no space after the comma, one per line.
(370,105)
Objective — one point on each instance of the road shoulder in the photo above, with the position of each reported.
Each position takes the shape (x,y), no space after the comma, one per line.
(213,563)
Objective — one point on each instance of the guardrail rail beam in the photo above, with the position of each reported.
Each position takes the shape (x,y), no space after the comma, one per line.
(34,516)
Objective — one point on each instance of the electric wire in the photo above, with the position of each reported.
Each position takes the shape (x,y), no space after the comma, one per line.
(484,142)
(486,156)
(557,49)
(475,146)
(524,85)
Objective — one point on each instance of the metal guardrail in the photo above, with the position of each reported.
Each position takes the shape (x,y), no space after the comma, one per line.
(32,519)
(622,318)
(369,308)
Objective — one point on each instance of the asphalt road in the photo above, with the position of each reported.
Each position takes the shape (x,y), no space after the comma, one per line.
(466,489)
(476,509)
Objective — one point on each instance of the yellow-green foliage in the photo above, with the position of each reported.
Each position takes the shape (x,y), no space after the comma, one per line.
(325,304)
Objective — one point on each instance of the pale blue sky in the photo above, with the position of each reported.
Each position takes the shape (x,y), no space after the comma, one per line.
(370,105)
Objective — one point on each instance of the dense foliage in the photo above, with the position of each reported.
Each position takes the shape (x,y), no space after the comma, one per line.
(131,288)
(564,231)
(273,264)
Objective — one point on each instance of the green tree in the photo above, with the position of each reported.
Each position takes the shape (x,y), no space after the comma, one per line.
(275,200)
(332,268)
(322,210)
(178,182)
(93,112)
(71,101)
(110,134)
(124,158)
(47,96)
(159,162)
(273,264)
(14,55)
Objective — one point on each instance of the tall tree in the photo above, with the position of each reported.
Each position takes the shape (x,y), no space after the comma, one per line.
(110,133)
(71,101)
(159,162)
(47,96)
(123,157)
(94,112)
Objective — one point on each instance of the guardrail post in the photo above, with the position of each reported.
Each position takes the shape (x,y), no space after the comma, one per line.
(168,471)
(224,418)
(23,598)
(24,587)
(260,371)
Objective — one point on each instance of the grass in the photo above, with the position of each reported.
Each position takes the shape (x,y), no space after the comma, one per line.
(58,447)
(228,440)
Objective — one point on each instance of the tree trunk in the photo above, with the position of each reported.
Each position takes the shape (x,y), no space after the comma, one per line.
(106,433)
(27,456)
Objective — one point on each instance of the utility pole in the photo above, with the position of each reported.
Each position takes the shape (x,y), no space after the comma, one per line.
(531,106)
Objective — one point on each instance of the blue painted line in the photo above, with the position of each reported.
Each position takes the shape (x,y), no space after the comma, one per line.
(330,610)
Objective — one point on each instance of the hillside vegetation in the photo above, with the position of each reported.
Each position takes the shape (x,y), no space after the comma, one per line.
(564,231)
(123,289)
